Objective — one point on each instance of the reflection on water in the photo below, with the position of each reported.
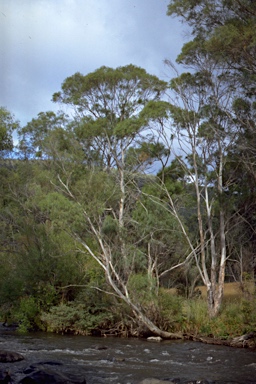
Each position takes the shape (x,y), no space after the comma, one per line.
(126,361)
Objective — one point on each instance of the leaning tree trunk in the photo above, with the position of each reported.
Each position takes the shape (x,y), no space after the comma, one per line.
(139,315)
(113,277)
(115,281)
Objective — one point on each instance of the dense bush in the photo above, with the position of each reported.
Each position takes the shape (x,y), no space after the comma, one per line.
(74,318)
(27,315)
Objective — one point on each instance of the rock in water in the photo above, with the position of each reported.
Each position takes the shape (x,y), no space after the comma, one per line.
(155,381)
(154,338)
(43,376)
(10,357)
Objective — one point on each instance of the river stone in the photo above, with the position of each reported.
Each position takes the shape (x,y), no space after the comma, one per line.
(44,376)
(99,347)
(40,373)
(155,381)
(173,381)
(40,365)
(10,357)
(154,338)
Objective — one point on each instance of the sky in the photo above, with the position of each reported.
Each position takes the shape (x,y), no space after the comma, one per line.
(42,42)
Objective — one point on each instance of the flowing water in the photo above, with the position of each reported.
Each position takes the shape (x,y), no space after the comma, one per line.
(127,361)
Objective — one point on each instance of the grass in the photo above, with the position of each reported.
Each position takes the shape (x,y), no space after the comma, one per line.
(233,290)
(237,315)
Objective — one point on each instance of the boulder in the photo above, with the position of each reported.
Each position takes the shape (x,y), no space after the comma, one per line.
(39,374)
(10,357)
(6,379)
(38,366)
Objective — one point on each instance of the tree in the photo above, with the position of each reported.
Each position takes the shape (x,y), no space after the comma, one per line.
(34,136)
(204,135)
(223,33)
(40,263)
(7,127)
(243,176)
(107,104)
(111,127)
(225,29)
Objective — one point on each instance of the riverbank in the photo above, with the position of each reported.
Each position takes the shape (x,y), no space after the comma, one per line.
(247,340)
(244,341)
(182,318)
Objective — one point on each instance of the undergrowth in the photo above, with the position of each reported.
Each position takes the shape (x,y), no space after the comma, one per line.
(236,318)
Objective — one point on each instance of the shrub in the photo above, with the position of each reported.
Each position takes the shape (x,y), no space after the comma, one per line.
(73,318)
(170,309)
(195,316)
(27,314)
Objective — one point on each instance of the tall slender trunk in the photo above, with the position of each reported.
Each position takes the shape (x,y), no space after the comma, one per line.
(218,289)
(121,214)
(223,256)
(205,275)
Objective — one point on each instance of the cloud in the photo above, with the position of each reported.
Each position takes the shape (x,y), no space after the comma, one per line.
(44,41)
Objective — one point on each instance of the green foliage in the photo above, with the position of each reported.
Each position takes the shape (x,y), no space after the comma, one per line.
(145,154)
(113,83)
(27,314)
(97,191)
(109,102)
(142,288)
(7,126)
(37,134)
(73,318)
(156,226)
(46,262)
(236,318)
(248,314)
(128,127)
(170,310)
(10,287)
(224,31)
(110,226)
(62,211)
(156,110)
(175,172)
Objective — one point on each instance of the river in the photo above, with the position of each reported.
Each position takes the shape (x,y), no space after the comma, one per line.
(127,361)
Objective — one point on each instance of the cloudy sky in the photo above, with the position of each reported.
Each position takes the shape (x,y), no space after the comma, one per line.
(44,41)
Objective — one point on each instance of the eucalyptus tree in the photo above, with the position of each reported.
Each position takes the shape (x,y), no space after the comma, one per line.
(243,172)
(223,33)
(8,125)
(205,133)
(111,123)
(223,28)
(107,104)
(34,135)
